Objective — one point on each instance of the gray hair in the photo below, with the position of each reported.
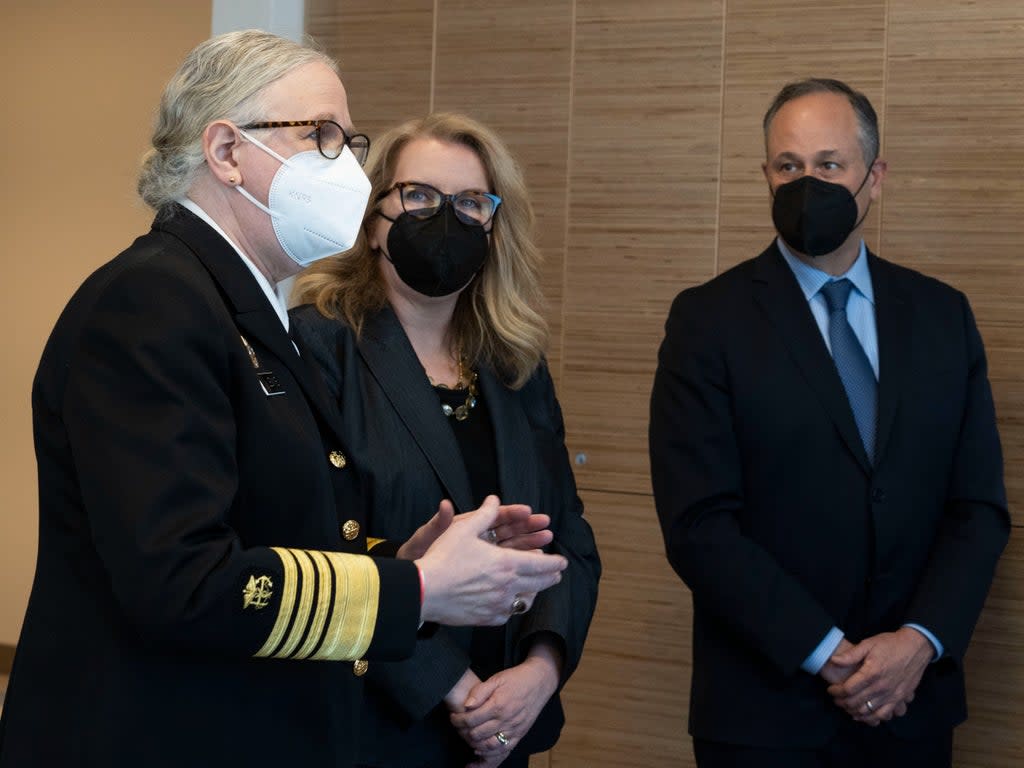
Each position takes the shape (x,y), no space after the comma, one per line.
(867,120)
(222,78)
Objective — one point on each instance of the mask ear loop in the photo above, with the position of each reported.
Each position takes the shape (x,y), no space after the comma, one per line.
(867,176)
(245,193)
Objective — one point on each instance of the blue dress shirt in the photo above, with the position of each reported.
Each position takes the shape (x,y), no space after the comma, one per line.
(860,311)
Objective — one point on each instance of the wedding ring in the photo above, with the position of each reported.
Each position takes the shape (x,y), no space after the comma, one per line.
(492,535)
(502,738)
(869,705)
(518,606)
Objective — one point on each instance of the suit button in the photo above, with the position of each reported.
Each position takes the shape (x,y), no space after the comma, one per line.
(350,530)
(877,496)
(337,459)
(359,667)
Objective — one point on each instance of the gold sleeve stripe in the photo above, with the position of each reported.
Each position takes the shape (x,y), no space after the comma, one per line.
(354,614)
(328,608)
(323,604)
(301,624)
(284,611)
(372,542)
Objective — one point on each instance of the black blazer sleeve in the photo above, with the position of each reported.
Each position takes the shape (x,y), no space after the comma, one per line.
(565,610)
(975,527)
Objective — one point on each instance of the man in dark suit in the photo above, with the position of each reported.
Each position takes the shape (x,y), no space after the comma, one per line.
(827,472)
(202,532)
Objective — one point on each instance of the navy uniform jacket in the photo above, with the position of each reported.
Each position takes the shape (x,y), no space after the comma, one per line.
(774,518)
(407,452)
(197,580)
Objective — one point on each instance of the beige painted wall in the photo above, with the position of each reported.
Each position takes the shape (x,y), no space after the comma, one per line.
(80,80)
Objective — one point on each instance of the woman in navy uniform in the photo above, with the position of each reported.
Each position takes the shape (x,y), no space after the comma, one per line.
(202,532)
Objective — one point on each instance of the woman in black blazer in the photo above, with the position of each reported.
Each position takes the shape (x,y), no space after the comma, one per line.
(430,334)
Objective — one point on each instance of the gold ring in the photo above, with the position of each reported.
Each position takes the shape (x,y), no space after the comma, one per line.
(502,738)
(518,606)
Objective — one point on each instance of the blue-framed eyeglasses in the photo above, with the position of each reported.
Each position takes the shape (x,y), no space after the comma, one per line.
(423,201)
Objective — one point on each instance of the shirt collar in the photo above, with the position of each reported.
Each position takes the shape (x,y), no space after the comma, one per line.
(811,279)
(265,284)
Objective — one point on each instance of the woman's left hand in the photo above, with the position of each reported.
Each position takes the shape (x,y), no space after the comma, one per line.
(506,703)
(515,528)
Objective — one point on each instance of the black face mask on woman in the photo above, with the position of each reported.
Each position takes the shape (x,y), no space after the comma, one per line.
(436,256)
(815,217)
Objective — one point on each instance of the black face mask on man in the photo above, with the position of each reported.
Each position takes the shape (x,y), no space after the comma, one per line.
(436,256)
(815,217)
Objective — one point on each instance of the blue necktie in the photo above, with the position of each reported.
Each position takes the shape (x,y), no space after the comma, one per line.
(852,363)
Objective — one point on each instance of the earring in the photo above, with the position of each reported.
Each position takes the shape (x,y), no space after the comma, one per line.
(231,179)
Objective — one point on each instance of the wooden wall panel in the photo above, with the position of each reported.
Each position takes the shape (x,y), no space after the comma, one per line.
(765,48)
(991,737)
(627,703)
(638,127)
(385,51)
(955,198)
(512,71)
(643,178)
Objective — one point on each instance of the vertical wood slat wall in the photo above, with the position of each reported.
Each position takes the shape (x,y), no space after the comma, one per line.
(638,125)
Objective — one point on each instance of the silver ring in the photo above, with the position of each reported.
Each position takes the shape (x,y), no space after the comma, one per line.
(492,535)
(869,705)
(518,606)
(502,738)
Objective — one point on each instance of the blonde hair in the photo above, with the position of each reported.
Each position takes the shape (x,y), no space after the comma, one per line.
(498,318)
(221,78)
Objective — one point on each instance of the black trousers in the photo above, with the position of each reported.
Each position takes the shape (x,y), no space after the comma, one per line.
(855,745)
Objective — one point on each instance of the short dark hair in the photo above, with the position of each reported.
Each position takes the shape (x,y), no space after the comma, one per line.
(867,120)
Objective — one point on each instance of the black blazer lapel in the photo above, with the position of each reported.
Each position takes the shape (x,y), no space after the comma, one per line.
(517,470)
(893,321)
(256,319)
(388,355)
(777,292)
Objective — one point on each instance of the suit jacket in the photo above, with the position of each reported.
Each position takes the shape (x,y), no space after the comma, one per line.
(774,518)
(192,501)
(409,458)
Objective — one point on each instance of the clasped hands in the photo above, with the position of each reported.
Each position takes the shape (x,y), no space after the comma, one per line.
(467,580)
(875,680)
(507,703)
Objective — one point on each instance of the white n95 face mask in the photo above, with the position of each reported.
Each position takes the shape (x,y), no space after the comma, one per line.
(316,204)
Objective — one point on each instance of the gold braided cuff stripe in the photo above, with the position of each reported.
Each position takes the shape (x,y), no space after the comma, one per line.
(328,606)
(372,542)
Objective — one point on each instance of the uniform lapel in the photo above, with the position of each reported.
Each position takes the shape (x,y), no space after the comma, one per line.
(517,472)
(893,320)
(392,361)
(777,292)
(256,319)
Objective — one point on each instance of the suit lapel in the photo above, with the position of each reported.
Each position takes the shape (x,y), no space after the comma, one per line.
(893,321)
(256,319)
(777,292)
(517,471)
(392,361)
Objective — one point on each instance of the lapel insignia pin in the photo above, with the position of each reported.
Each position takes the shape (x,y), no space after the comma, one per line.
(270,383)
(257,592)
(252,352)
